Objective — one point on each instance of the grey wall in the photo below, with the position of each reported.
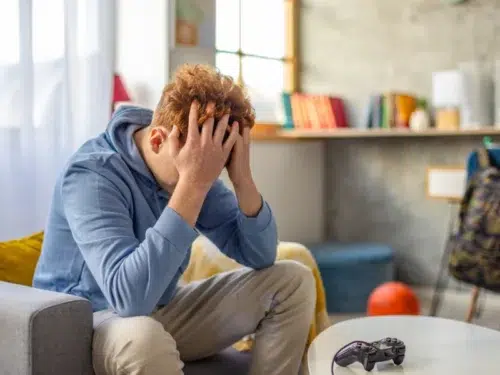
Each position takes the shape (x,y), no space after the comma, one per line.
(376,187)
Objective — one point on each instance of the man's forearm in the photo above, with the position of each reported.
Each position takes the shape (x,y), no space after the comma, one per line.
(249,198)
(187,200)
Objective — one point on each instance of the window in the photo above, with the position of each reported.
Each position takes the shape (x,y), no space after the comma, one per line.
(34,48)
(256,45)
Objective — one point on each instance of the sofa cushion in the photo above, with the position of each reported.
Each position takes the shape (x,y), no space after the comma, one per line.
(227,362)
(18,259)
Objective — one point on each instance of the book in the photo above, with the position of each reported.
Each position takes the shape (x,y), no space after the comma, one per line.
(309,111)
(391,110)
(339,113)
(287,109)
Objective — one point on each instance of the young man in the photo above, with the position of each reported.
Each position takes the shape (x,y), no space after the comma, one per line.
(125,212)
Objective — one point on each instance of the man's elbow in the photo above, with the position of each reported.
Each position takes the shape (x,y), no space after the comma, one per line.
(265,264)
(266,258)
(129,311)
(127,305)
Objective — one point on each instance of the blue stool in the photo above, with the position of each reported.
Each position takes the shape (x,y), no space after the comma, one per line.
(350,272)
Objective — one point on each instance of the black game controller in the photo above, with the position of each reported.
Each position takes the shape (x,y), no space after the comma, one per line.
(368,354)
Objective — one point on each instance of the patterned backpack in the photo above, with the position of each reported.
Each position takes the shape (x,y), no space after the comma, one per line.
(474,249)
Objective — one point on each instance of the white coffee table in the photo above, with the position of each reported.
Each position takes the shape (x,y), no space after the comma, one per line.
(434,346)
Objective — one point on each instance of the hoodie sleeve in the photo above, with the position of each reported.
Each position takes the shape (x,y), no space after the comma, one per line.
(251,241)
(132,275)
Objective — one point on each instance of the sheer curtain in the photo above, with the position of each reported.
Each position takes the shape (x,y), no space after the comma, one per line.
(56,65)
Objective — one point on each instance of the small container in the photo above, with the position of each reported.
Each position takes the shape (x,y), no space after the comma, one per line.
(420,119)
(447,119)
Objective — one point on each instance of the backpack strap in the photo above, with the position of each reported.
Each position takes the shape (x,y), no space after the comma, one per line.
(483,157)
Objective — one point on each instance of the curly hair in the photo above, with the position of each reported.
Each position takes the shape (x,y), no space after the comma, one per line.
(204,84)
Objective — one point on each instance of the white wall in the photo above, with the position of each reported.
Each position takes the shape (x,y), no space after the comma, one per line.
(289,175)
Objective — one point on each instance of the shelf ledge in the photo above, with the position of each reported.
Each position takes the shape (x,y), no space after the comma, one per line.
(384,133)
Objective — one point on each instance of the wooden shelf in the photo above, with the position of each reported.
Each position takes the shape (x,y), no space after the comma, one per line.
(383,133)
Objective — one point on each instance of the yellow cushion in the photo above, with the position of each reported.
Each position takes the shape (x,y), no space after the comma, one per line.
(18,259)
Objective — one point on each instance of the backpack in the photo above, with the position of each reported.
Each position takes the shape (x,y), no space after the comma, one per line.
(474,248)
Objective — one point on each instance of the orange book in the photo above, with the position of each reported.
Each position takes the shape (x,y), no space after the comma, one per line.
(320,108)
(304,110)
(296,115)
(313,112)
(327,113)
(405,105)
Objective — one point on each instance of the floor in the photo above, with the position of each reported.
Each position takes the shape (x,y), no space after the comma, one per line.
(454,305)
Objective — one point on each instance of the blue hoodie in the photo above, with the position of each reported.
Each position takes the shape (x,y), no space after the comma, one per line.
(111,238)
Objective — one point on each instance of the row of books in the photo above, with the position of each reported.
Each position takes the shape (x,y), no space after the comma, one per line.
(390,110)
(306,111)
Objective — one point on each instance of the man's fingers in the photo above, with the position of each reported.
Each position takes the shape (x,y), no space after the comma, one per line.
(207,130)
(193,130)
(246,135)
(233,137)
(173,141)
(221,129)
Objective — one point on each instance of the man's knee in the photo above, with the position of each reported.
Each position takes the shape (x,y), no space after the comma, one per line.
(134,345)
(298,275)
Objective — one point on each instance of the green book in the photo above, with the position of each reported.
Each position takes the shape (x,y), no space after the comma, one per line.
(287,108)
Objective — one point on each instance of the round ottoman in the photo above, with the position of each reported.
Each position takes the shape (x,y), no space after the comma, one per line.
(351,271)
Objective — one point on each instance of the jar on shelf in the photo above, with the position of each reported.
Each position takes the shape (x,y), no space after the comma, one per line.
(420,119)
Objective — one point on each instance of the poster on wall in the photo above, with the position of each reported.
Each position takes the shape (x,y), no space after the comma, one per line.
(193,19)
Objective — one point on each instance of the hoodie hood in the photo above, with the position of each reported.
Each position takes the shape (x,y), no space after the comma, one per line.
(125,121)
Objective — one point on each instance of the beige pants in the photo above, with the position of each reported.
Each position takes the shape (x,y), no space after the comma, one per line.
(277,304)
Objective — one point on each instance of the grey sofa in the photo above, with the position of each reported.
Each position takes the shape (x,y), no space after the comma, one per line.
(46,333)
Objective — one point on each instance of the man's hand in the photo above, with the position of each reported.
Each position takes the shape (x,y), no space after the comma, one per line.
(199,161)
(240,174)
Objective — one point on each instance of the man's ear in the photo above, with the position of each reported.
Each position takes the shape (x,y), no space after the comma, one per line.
(157,137)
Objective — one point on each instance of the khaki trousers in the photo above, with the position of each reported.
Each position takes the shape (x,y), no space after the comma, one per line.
(276,304)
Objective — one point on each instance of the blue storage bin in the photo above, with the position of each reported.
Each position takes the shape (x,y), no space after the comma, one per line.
(350,272)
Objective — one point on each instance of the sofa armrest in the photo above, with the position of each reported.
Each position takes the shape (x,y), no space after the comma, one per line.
(44,332)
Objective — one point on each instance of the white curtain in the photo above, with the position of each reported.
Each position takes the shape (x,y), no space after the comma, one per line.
(56,67)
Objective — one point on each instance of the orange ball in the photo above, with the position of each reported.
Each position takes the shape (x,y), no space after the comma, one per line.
(393,298)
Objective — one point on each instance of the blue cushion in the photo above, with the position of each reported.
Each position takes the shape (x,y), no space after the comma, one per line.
(351,271)
(336,254)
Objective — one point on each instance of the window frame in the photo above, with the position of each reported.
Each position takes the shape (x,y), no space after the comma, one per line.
(291,58)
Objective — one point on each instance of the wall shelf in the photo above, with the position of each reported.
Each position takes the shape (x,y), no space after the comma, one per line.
(383,133)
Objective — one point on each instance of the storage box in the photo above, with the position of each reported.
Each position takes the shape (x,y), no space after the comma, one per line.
(350,272)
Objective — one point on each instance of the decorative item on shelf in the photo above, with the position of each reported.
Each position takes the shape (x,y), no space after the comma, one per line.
(447,118)
(447,98)
(189,15)
(120,93)
(420,119)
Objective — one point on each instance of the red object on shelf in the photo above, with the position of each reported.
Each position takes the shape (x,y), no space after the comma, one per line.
(120,93)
